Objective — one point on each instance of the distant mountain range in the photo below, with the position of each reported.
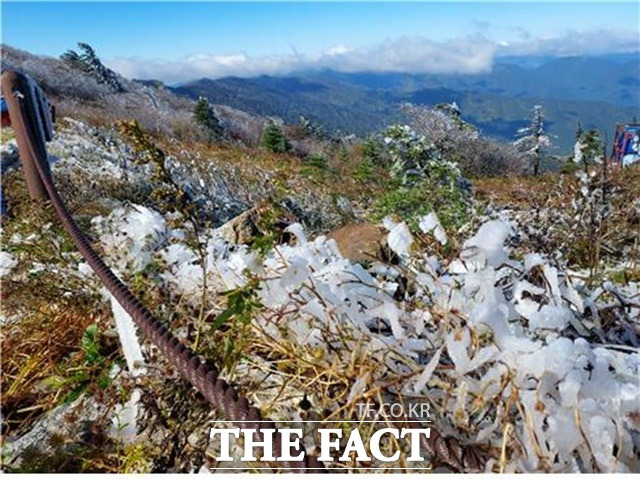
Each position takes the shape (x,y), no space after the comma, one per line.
(597,91)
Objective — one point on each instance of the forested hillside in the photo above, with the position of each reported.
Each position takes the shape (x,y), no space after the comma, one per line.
(597,92)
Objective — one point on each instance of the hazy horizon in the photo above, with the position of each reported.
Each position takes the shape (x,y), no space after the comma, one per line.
(177,42)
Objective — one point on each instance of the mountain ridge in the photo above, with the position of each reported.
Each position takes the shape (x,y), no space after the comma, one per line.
(596,92)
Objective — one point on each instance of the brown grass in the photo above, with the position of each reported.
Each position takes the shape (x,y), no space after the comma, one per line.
(531,191)
(40,346)
(591,238)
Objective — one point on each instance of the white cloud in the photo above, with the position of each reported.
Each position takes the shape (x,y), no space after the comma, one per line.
(338,50)
(407,54)
(592,42)
(467,55)
(416,55)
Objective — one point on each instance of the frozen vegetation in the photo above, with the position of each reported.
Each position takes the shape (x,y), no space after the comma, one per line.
(514,350)
(516,334)
(511,305)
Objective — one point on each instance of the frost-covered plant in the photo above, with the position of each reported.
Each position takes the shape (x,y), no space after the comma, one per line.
(422,181)
(88,62)
(53,76)
(592,208)
(413,201)
(309,129)
(588,149)
(412,155)
(533,139)
(459,141)
(442,124)
(507,351)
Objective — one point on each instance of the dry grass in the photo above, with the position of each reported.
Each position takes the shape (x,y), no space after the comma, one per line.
(48,359)
(46,313)
(533,191)
(288,380)
(284,170)
(589,236)
(42,360)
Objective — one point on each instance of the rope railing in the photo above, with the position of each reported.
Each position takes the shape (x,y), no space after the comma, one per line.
(32,123)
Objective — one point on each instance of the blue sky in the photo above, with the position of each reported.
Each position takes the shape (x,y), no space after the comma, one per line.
(164,38)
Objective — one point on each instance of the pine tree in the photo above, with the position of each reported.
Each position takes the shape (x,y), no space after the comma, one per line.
(310,129)
(533,139)
(90,64)
(589,149)
(273,139)
(206,118)
(72,59)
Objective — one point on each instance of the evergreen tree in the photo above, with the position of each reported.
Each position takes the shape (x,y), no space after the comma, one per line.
(372,149)
(533,139)
(273,139)
(72,59)
(205,117)
(588,149)
(89,63)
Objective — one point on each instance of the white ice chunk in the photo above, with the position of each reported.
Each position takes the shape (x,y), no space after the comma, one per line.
(426,374)
(400,239)
(124,421)
(297,230)
(490,239)
(7,263)
(128,339)
(431,223)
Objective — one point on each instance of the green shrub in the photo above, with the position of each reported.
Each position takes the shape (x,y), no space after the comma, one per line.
(372,150)
(410,202)
(365,170)
(274,140)
(314,166)
(422,181)
(569,167)
(590,146)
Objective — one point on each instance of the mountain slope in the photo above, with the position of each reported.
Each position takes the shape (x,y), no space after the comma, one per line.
(596,92)
(343,107)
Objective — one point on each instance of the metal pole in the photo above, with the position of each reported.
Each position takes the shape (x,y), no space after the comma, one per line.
(15,87)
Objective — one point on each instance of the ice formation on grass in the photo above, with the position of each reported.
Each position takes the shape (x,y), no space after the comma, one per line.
(488,339)
(399,238)
(503,325)
(128,339)
(7,263)
(124,423)
(129,236)
(431,224)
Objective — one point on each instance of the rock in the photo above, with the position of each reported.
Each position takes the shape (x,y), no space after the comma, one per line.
(241,229)
(360,242)
(344,205)
(67,425)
